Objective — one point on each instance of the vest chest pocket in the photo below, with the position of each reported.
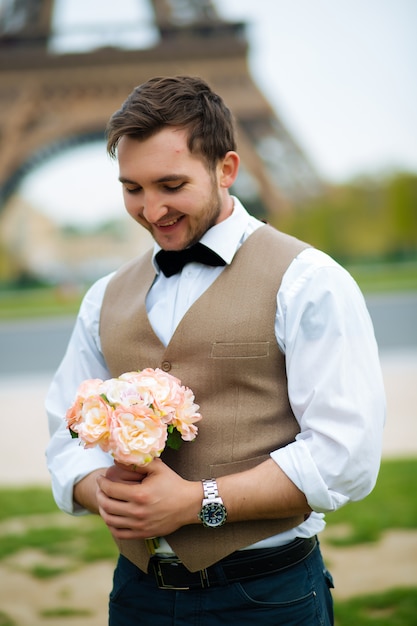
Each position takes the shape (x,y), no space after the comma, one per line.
(232,350)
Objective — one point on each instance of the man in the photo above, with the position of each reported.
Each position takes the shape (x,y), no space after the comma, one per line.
(274,339)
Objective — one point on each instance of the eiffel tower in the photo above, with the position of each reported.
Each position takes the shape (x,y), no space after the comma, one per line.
(50,100)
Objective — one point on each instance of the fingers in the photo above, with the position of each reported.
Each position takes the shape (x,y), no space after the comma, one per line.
(114,490)
(132,508)
(122,517)
(125,473)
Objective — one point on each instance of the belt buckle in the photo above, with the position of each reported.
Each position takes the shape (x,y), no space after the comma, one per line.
(164,570)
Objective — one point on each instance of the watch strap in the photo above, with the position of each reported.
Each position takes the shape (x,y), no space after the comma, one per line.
(210,489)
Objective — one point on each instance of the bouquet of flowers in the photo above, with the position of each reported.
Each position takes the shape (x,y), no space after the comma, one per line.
(134,416)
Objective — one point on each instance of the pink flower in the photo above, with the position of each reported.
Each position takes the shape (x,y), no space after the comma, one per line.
(163,391)
(136,437)
(186,415)
(134,416)
(87,388)
(94,427)
(173,402)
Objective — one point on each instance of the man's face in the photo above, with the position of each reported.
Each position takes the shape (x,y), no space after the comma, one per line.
(170,191)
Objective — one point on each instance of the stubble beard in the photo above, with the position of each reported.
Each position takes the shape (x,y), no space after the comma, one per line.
(208,217)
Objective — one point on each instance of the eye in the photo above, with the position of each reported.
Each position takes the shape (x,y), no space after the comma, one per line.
(132,190)
(173,189)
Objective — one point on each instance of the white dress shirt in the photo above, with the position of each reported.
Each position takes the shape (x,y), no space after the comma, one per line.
(334,378)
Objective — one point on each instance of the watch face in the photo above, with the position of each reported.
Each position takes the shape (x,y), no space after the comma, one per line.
(213,514)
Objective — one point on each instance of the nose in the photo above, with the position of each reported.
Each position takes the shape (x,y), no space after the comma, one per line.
(153,208)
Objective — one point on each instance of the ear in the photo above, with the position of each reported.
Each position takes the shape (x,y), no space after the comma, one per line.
(228,169)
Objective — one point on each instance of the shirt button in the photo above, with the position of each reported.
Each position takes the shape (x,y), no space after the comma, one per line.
(165,366)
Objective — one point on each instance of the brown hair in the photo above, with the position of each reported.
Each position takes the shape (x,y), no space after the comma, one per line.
(183,101)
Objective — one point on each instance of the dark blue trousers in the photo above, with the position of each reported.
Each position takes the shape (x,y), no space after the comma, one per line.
(299,595)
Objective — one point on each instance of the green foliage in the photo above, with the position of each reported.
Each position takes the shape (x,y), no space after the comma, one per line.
(174,440)
(363,220)
(397,607)
(390,505)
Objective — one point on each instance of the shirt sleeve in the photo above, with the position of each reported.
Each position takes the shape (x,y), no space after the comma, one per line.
(67,461)
(335,383)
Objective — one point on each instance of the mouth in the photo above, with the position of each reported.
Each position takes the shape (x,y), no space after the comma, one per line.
(169,224)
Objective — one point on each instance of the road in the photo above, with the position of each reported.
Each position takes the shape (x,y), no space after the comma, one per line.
(37,346)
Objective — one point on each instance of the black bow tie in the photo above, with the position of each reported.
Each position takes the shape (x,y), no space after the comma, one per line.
(172,261)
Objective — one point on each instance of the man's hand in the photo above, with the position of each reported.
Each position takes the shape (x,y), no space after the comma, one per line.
(150,501)
(154,501)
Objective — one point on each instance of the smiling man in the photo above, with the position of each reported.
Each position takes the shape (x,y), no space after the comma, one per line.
(274,339)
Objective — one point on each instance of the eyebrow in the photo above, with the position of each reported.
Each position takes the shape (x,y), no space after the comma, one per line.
(164,179)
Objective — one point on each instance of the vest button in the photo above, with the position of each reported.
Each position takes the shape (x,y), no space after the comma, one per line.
(165,366)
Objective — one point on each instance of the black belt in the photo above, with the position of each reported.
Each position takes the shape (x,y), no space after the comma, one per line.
(171,573)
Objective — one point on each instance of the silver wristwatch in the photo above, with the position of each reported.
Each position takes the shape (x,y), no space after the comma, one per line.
(213,512)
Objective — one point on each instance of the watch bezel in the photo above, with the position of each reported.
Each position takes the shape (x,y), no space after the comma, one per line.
(213,508)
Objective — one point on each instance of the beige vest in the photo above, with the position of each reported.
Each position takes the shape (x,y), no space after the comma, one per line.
(225,350)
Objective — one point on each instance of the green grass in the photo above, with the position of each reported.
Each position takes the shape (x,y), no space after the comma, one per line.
(84,542)
(391,505)
(43,572)
(5,620)
(42,302)
(65,611)
(396,607)
(65,543)
(25,501)
(85,539)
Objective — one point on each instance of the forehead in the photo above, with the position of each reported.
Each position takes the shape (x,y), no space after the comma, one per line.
(165,141)
(165,150)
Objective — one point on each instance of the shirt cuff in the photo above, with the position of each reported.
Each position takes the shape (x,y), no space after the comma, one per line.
(297,463)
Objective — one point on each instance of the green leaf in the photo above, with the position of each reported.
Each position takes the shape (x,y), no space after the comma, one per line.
(174,440)
(74,435)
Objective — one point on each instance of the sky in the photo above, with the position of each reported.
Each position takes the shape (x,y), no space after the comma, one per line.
(341,74)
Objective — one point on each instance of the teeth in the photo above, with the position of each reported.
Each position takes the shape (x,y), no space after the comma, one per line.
(170,223)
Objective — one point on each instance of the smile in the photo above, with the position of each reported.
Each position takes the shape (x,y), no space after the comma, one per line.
(167,224)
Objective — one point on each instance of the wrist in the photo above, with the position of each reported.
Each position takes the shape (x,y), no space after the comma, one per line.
(85,491)
(213,513)
(194,504)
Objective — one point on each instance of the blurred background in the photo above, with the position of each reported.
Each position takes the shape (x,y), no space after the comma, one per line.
(324,96)
(325,100)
